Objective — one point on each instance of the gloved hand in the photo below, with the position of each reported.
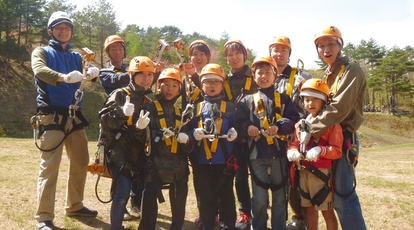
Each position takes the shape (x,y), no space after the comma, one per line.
(313,153)
(92,73)
(72,77)
(298,80)
(128,108)
(231,134)
(183,138)
(143,120)
(198,133)
(293,156)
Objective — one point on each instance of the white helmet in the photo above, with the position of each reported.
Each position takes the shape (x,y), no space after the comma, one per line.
(59,17)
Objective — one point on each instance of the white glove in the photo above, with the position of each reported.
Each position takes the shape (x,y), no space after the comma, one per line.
(143,120)
(313,153)
(92,73)
(128,108)
(72,77)
(182,138)
(298,80)
(293,156)
(231,134)
(198,134)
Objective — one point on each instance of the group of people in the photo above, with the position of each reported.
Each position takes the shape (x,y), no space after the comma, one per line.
(269,123)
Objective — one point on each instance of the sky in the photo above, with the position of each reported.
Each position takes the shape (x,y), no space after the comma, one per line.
(257,22)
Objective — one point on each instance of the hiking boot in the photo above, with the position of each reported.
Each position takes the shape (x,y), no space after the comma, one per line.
(296,225)
(46,225)
(84,212)
(243,222)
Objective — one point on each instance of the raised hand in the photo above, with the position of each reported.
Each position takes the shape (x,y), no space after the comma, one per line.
(128,107)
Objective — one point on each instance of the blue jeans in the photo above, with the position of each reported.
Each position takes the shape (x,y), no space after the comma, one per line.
(346,202)
(260,197)
(120,198)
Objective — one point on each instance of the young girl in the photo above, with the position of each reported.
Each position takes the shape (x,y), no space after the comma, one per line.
(314,180)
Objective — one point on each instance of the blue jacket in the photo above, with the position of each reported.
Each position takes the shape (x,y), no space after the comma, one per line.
(63,61)
(221,155)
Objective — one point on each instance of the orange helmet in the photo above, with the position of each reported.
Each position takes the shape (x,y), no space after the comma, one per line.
(170,73)
(196,42)
(212,69)
(282,40)
(140,64)
(235,41)
(266,59)
(330,31)
(316,88)
(112,39)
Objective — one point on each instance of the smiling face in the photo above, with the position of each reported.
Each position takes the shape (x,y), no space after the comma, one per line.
(235,59)
(199,59)
(144,79)
(116,52)
(62,32)
(264,75)
(328,49)
(169,88)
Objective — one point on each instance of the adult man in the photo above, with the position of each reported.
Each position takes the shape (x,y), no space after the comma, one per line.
(57,77)
(288,81)
(347,83)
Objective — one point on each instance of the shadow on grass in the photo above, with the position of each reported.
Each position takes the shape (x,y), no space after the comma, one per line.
(92,222)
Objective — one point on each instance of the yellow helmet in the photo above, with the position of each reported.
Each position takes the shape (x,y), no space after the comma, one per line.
(238,42)
(140,64)
(330,31)
(197,42)
(282,40)
(212,69)
(264,59)
(170,73)
(316,88)
(112,39)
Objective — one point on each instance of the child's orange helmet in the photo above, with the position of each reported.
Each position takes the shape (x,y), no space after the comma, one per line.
(330,31)
(212,69)
(266,59)
(112,39)
(315,84)
(170,73)
(140,64)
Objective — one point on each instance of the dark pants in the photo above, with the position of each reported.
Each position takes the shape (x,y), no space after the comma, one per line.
(178,197)
(136,193)
(242,180)
(215,193)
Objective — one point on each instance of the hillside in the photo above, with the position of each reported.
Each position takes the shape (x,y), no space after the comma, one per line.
(18,93)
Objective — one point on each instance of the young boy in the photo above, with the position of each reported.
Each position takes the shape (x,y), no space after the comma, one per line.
(240,83)
(265,120)
(314,182)
(123,125)
(169,153)
(213,161)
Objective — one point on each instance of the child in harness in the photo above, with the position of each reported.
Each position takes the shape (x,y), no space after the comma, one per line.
(313,157)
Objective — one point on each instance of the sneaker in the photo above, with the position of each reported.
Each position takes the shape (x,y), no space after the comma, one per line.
(243,222)
(127,216)
(46,225)
(85,212)
(296,225)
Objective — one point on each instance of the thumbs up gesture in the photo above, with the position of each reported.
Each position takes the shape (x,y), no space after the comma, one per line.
(128,107)
(143,120)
